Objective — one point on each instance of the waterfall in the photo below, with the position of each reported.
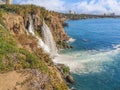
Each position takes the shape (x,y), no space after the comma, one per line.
(49,44)
(31,29)
(48,39)
(41,44)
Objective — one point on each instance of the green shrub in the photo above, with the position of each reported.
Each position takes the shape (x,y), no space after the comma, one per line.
(12,57)
(66,69)
(32,61)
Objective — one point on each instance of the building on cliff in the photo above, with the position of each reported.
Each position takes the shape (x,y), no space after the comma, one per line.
(6,1)
(71,12)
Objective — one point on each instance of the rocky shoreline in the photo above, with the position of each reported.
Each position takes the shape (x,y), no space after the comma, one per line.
(66,74)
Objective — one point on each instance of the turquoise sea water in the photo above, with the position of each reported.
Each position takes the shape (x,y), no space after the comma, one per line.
(95,58)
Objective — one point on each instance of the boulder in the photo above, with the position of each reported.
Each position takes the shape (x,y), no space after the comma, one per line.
(70,79)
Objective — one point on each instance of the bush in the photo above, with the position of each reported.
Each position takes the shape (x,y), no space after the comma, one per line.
(66,69)
(12,57)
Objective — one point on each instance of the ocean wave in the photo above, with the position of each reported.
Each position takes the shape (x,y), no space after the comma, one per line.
(71,40)
(91,61)
(116,46)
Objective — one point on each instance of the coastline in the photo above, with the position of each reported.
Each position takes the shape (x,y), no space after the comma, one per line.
(61,65)
(59,61)
(26,48)
(98,57)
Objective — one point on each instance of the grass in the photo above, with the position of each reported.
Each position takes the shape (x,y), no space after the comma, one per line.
(1,13)
(12,57)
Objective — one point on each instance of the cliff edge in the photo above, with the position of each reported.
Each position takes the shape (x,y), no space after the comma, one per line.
(24,64)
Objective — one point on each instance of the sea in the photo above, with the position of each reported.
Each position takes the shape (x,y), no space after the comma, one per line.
(94,60)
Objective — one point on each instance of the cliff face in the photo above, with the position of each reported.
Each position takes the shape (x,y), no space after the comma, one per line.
(20,52)
(60,36)
(54,20)
(57,28)
(14,23)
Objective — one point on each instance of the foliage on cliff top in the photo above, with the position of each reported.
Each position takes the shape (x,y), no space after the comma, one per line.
(25,10)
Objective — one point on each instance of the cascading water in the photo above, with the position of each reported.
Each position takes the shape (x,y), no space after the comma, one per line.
(40,42)
(48,39)
(31,29)
(43,45)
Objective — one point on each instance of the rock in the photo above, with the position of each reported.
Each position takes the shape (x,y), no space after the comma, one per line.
(71,46)
(37,21)
(64,69)
(70,79)
(65,72)
(65,24)
(14,23)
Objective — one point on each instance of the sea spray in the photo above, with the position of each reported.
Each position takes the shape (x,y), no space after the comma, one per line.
(71,40)
(87,61)
(48,39)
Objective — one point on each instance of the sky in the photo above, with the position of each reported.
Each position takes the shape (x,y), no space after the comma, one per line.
(78,6)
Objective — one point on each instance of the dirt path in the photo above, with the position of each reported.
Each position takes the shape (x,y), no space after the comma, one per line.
(10,80)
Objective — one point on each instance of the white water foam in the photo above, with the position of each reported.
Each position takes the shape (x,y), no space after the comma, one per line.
(84,62)
(71,40)
(116,47)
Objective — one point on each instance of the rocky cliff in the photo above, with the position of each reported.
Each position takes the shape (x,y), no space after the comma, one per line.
(19,51)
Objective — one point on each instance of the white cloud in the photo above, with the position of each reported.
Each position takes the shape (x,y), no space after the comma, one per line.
(99,7)
(56,5)
(93,6)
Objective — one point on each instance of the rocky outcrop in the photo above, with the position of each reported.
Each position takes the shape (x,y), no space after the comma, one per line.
(57,28)
(14,23)
(66,73)
(70,79)
(37,21)
(17,27)
(60,36)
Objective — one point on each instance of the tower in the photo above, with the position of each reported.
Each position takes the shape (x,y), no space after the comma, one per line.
(7,1)
(2,2)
